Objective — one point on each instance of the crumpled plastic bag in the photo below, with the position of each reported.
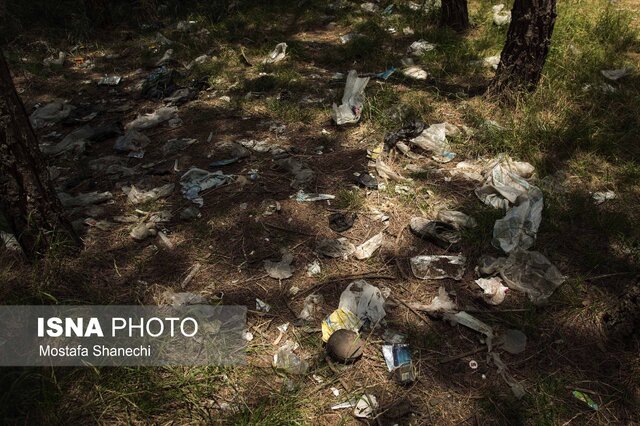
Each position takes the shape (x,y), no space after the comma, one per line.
(434,139)
(519,227)
(196,180)
(493,289)
(49,114)
(437,267)
(527,271)
(276,54)
(350,109)
(280,270)
(365,300)
(500,16)
(338,320)
(132,140)
(153,119)
(366,249)
(302,175)
(137,196)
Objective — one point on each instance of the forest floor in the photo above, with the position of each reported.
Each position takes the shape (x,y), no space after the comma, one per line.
(580,137)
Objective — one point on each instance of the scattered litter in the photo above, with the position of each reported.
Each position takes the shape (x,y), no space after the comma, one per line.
(197,180)
(52,60)
(440,303)
(366,249)
(340,222)
(302,175)
(340,319)
(344,39)
(284,359)
(516,387)
(399,363)
(387,173)
(384,75)
(277,54)
(190,213)
(159,83)
(167,57)
(437,267)
(615,75)
(350,109)
(49,114)
(314,269)
(137,196)
(153,119)
(302,196)
(340,247)
(473,364)
(473,323)
(364,300)
(335,391)
(173,146)
(366,406)
(602,196)
(82,200)
(143,231)
(311,304)
(367,181)
(261,146)
(434,139)
(184,298)
(440,233)
(345,346)
(109,80)
(280,270)
(493,289)
(457,219)
(526,271)
(582,396)
(247,335)
(500,16)
(415,72)
(491,61)
(165,240)
(514,341)
(420,47)
(262,306)
(370,7)
(192,273)
(180,96)
(132,140)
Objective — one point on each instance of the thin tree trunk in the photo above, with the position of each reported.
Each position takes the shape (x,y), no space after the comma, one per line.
(454,14)
(27,197)
(527,46)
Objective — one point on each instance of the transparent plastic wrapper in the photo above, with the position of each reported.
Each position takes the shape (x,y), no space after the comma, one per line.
(420,47)
(527,271)
(137,196)
(437,267)
(277,54)
(340,247)
(132,140)
(280,270)
(615,75)
(350,109)
(473,323)
(386,172)
(440,303)
(516,387)
(514,341)
(284,359)
(434,139)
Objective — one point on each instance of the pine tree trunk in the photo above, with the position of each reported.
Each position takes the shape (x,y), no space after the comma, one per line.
(527,46)
(454,14)
(28,200)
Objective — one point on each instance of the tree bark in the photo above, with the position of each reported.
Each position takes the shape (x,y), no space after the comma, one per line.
(28,200)
(527,46)
(454,14)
